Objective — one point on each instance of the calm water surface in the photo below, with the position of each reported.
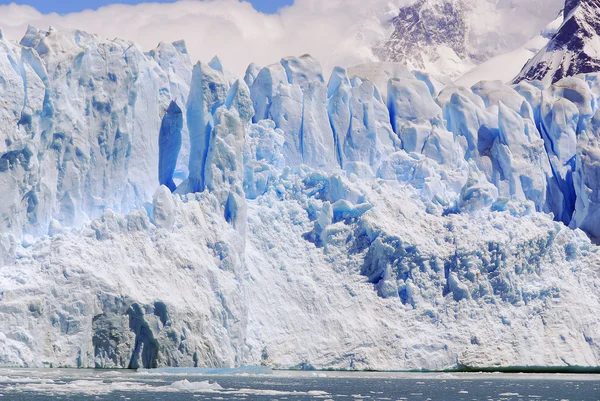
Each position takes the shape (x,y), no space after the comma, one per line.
(169,385)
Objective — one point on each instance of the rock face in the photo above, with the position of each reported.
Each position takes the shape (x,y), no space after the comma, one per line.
(427,33)
(427,23)
(449,37)
(574,49)
(440,213)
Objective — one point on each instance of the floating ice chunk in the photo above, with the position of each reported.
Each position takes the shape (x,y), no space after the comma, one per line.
(203,386)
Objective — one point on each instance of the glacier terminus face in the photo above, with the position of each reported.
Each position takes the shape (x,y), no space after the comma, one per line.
(158,213)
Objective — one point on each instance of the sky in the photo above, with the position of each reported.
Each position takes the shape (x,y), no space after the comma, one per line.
(69,6)
(335,32)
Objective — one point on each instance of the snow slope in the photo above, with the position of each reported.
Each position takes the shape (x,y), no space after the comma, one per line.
(574,49)
(323,221)
(506,67)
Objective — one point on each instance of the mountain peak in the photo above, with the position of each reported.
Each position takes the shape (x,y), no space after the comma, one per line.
(569,6)
(574,49)
(426,33)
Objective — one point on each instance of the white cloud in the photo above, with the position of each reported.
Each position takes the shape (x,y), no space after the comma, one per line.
(337,32)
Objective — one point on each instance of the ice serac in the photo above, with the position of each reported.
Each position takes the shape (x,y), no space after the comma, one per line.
(338,109)
(251,74)
(299,108)
(174,60)
(287,113)
(263,157)
(169,144)
(316,140)
(586,182)
(559,130)
(302,70)
(523,170)
(473,125)
(218,114)
(225,159)
(264,88)
(84,138)
(380,73)
(369,138)
(208,92)
(411,100)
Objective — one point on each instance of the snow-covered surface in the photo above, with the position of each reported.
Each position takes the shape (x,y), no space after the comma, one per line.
(377,219)
(574,49)
(507,66)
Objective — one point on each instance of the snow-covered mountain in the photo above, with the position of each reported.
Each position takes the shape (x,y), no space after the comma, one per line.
(429,34)
(507,66)
(574,49)
(156,213)
(450,37)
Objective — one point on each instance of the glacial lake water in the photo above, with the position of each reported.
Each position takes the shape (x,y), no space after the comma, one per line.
(170,385)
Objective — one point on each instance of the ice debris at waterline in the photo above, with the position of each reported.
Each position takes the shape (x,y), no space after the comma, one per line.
(314,223)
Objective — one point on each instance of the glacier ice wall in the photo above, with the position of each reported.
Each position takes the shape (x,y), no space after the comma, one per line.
(80,129)
(174,60)
(155,213)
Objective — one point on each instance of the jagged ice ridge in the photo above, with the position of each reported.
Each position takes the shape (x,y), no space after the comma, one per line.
(312,223)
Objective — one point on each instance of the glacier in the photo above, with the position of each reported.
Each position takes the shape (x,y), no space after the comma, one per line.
(159,213)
